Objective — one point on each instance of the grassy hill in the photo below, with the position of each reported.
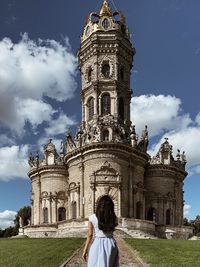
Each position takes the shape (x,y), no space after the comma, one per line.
(43,252)
(168,253)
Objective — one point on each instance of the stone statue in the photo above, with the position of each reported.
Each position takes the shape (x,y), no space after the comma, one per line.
(31,160)
(143,144)
(183,157)
(20,222)
(133,136)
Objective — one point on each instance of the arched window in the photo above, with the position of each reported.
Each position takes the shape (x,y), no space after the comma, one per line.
(106,69)
(90,108)
(139,210)
(121,108)
(89,74)
(106,135)
(61,214)
(168,217)
(45,215)
(151,215)
(73,209)
(105,104)
(106,24)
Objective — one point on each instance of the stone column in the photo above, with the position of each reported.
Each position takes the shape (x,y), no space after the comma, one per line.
(93,197)
(119,201)
(39,202)
(131,191)
(96,104)
(99,99)
(69,206)
(50,208)
(32,211)
(82,209)
(144,204)
(53,208)
(79,204)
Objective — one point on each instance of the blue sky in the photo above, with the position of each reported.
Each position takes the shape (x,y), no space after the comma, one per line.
(40,83)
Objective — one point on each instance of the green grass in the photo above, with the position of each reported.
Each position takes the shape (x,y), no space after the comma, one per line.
(168,253)
(49,252)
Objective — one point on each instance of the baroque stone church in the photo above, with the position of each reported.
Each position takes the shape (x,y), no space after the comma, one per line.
(106,156)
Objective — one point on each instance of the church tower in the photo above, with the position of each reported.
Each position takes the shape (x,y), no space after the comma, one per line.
(105,146)
(105,59)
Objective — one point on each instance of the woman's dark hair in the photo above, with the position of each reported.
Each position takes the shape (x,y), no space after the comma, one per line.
(107,220)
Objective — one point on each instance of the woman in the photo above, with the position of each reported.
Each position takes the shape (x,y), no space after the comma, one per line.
(103,251)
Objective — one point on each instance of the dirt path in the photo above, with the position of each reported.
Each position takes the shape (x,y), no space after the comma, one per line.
(128,257)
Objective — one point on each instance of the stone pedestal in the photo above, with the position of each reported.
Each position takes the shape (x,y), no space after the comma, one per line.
(21,231)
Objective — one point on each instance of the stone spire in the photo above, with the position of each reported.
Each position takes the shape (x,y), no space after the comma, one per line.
(106,9)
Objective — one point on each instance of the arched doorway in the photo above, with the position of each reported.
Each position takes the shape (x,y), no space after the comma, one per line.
(73,210)
(105,135)
(151,214)
(139,210)
(61,214)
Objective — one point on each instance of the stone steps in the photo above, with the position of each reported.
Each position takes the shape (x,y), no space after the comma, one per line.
(137,234)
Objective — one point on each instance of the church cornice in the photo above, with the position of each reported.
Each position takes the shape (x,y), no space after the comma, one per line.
(161,167)
(109,146)
(47,169)
(111,84)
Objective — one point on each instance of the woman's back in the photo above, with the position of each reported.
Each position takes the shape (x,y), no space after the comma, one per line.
(98,233)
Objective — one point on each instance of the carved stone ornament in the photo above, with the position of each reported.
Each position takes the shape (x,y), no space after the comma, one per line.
(105,175)
(106,61)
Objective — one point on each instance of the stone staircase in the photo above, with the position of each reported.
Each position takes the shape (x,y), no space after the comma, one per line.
(138,234)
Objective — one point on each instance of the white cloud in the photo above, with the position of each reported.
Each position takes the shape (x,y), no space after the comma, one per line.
(164,116)
(197,120)
(5,140)
(194,170)
(6,218)
(186,209)
(28,72)
(13,162)
(59,125)
(160,113)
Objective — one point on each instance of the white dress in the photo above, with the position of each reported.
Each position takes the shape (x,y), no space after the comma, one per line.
(103,251)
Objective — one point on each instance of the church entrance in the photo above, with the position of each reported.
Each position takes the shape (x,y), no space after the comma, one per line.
(151,215)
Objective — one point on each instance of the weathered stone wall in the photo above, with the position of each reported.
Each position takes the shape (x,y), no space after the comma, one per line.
(49,188)
(164,193)
(107,170)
